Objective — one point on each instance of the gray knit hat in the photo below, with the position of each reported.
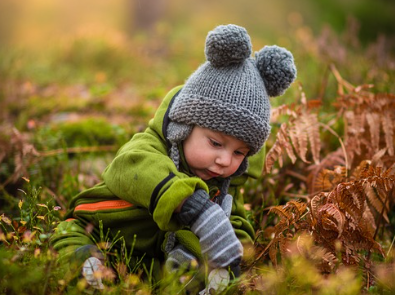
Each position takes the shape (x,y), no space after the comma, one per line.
(230,91)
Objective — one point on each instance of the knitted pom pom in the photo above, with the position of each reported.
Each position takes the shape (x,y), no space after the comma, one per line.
(227,45)
(277,68)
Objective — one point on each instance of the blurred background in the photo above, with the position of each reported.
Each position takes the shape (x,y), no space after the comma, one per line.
(91,73)
(79,78)
(158,43)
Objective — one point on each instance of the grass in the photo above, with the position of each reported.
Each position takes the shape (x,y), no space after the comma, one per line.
(68,106)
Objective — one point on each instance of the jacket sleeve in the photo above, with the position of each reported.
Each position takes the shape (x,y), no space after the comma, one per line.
(238,218)
(243,228)
(143,174)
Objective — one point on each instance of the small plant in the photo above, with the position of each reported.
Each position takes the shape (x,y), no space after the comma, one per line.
(351,190)
(27,261)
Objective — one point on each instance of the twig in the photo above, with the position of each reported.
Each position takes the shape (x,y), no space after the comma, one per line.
(77,150)
(341,81)
(390,248)
(297,175)
(297,196)
(341,143)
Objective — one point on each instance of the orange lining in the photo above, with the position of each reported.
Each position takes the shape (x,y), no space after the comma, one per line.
(70,219)
(113,204)
(218,192)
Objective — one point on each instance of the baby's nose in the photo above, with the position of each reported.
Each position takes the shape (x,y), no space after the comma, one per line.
(224,159)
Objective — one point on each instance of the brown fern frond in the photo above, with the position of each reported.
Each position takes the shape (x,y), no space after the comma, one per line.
(283,246)
(295,208)
(328,179)
(273,251)
(359,238)
(274,154)
(281,110)
(369,220)
(328,262)
(374,200)
(280,212)
(281,226)
(332,160)
(313,132)
(388,173)
(299,138)
(353,132)
(373,120)
(377,159)
(377,185)
(316,202)
(331,219)
(350,198)
(388,128)
(283,139)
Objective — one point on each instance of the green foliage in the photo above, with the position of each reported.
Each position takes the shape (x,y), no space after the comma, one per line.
(89,132)
(27,263)
(75,101)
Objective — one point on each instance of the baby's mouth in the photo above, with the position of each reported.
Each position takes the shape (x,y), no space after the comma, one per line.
(212,174)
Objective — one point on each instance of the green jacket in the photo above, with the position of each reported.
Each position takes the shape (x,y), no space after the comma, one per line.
(141,188)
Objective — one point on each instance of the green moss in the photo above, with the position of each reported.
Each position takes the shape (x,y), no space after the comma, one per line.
(39,106)
(90,132)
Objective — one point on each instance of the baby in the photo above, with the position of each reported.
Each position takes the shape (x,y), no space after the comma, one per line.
(172,193)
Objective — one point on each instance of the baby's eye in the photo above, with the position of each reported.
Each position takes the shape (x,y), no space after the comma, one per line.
(238,153)
(215,143)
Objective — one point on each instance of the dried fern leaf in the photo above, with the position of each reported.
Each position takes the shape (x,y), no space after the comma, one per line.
(299,138)
(353,130)
(388,128)
(373,120)
(374,199)
(280,212)
(273,155)
(328,179)
(313,132)
(316,202)
(281,110)
(323,181)
(376,159)
(369,220)
(350,198)
(331,218)
(273,252)
(283,246)
(328,261)
(333,159)
(295,208)
(283,139)
(281,226)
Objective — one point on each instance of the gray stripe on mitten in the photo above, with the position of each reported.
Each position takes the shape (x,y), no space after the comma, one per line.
(178,258)
(226,205)
(217,238)
(197,203)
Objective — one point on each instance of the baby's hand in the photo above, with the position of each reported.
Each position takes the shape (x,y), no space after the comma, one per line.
(217,238)
(226,205)
(216,235)
(180,258)
(91,270)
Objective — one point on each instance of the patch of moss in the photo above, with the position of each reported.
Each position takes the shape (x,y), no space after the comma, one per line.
(39,106)
(91,132)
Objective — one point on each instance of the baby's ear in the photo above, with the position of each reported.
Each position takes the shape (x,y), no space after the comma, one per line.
(277,68)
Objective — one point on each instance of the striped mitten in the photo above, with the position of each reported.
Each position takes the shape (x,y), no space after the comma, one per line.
(179,258)
(208,221)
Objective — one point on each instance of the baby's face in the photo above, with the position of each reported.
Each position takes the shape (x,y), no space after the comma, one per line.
(212,154)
